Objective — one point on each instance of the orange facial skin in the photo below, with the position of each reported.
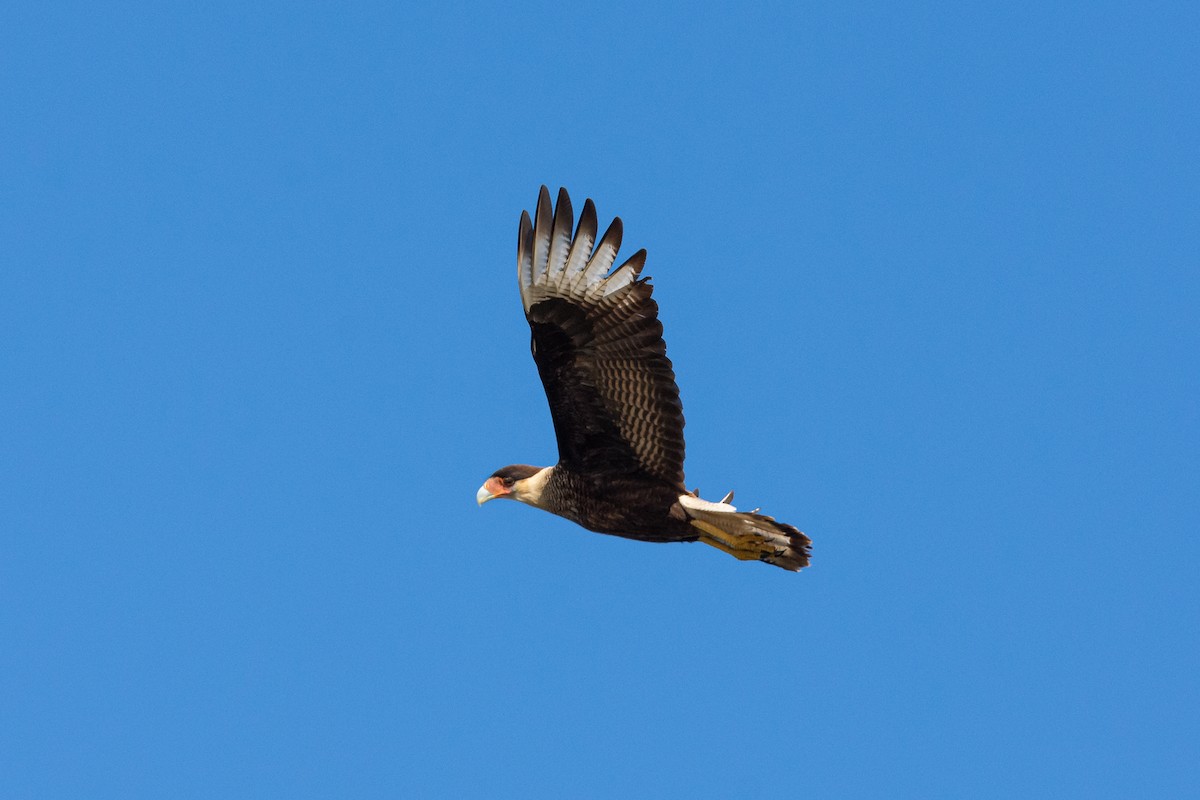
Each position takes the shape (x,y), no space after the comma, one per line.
(496,488)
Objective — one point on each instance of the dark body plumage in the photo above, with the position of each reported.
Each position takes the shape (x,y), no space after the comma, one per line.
(602,481)
(625,506)
(599,350)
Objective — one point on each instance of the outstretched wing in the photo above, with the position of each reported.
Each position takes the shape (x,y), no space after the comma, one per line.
(598,346)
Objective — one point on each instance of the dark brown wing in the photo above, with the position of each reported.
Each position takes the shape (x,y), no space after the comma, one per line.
(598,346)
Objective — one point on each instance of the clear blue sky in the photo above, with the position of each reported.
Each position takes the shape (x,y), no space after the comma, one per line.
(930,279)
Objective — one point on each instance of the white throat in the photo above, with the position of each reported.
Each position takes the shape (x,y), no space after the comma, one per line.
(529,490)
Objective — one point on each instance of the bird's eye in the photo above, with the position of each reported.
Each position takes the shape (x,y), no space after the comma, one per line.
(509,481)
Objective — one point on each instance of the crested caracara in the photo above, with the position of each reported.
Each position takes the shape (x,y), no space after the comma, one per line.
(599,350)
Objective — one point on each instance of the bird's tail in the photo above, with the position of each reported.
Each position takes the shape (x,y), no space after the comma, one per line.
(748,536)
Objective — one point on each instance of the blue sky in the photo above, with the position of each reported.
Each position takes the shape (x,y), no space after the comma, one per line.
(929,279)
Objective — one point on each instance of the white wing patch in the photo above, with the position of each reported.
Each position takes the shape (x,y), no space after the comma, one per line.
(553,263)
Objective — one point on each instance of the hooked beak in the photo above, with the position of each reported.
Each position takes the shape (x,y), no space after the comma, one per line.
(491,489)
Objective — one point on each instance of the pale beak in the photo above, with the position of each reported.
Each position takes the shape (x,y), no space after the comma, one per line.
(483,495)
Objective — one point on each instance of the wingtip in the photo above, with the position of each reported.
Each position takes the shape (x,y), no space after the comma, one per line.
(587,222)
(613,235)
(541,214)
(564,215)
(637,262)
(524,238)
(568,265)
(543,205)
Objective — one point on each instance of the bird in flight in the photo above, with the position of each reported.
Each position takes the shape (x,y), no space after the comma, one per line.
(600,353)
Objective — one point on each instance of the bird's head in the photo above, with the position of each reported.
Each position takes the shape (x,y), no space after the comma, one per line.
(519,482)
